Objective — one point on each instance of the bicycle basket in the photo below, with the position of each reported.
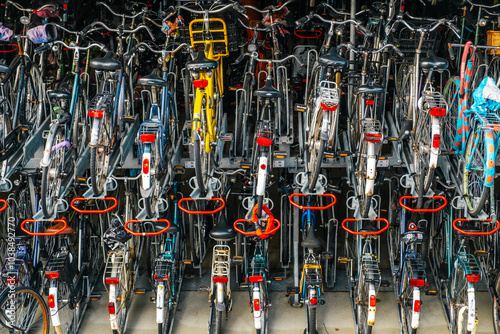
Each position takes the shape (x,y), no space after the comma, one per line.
(218,33)
(329,92)
(407,41)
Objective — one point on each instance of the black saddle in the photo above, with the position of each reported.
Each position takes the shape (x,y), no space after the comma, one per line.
(371,88)
(222,231)
(61,93)
(160,226)
(311,241)
(107,63)
(268,91)
(332,59)
(201,63)
(152,80)
(4,68)
(433,63)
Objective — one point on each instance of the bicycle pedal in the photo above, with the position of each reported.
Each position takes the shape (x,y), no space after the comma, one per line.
(152,299)
(204,289)
(479,253)
(139,291)
(343,260)
(329,155)
(292,290)
(300,107)
(327,255)
(343,153)
(238,260)
(431,292)
(245,165)
(385,283)
(179,169)
(128,119)
(227,136)
(95,296)
(244,285)
(280,154)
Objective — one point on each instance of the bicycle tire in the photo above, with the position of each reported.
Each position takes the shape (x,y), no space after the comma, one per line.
(473,181)
(99,156)
(311,320)
(362,306)
(422,143)
(406,302)
(201,156)
(364,199)
(33,95)
(450,94)
(51,176)
(216,321)
(38,312)
(80,127)
(402,92)
(194,236)
(496,306)
(460,298)
(315,160)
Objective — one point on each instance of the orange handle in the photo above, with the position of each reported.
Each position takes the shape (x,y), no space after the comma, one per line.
(366,233)
(115,204)
(313,207)
(201,212)
(275,223)
(474,233)
(134,221)
(44,233)
(4,205)
(445,202)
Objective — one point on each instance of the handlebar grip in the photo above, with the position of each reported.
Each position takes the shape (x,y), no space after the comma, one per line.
(240,59)
(364,31)
(398,51)
(240,9)
(300,22)
(451,53)
(43,48)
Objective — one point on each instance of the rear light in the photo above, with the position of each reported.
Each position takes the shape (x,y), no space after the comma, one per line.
(416,306)
(440,112)
(12,280)
(436,140)
(96,113)
(52,301)
(52,275)
(373,301)
(157,277)
(473,278)
(373,137)
(263,141)
(370,102)
(313,301)
(329,108)
(147,137)
(417,282)
(220,279)
(145,166)
(201,83)
(256,305)
(112,281)
(111,308)
(256,279)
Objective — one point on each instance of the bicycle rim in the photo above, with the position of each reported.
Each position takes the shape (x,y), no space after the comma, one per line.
(475,192)
(80,128)
(402,92)
(362,306)
(31,312)
(51,176)
(421,156)
(450,120)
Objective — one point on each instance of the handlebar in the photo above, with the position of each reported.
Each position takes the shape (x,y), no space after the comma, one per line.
(361,49)
(324,4)
(483,6)
(434,25)
(235,6)
(126,31)
(48,46)
(303,20)
(143,11)
(271,9)
(268,28)
(147,46)
(19,7)
(255,56)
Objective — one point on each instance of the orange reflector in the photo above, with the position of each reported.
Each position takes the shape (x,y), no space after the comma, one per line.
(373,301)
(112,281)
(52,275)
(145,166)
(474,278)
(220,279)
(52,301)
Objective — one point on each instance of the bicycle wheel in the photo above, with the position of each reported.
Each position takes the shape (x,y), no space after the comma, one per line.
(316,151)
(422,143)
(263,309)
(496,306)
(450,120)
(195,235)
(393,233)
(30,311)
(362,301)
(402,94)
(33,98)
(364,199)
(474,190)
(52,175)
(311,320)
(406,304)
(459,304)
(80,127)
(242,113)
(99,156)
(201,156)
(494,68)
(216,327)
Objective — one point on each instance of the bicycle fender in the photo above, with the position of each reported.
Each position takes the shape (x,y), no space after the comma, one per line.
(45,162)
(490,157)
(220,306)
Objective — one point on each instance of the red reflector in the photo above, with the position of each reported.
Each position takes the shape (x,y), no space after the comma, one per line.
(263,141)
(474,278)
(157,277)
(145,166)
(96,113)
(52,301)
(313,301)
(256,279)
(417,282)
(416,306)
(262,166)
(12,280)
(327,108)
(65,6)
(373,301)
(436,140)
(111,308)
(256,305)
(112,281)
(52,275)
(201,83)
(370,102)
(147,137)
(438,112)
(220,279)
(373,137)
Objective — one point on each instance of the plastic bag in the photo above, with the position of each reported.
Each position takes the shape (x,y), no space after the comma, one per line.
(42,34)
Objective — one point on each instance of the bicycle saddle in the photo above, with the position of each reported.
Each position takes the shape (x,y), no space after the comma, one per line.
(107,63)
(152,79)
(61,93)
(332,59)
(4,68)
(311,241)
(371,88)
(161,225)
(433,63)
(58,226)
(201,63)
(222,231)
(369,228)
(268,91)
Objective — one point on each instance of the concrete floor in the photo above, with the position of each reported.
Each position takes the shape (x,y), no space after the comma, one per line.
(334,317)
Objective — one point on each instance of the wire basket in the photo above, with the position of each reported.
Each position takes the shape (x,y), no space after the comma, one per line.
(434,100)
(371,125)
(329,92)
(407,41)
